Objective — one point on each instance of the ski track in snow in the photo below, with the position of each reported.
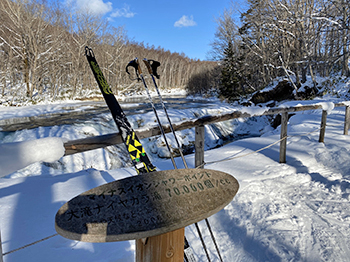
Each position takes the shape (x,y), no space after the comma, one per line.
(297,211)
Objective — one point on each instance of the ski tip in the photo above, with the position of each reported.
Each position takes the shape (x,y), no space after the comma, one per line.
(89,52)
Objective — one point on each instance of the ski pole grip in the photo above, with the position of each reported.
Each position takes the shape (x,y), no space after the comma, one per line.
(138,66)
(150,71)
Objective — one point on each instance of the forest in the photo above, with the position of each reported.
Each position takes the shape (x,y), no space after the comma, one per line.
(291,38)
(42,49)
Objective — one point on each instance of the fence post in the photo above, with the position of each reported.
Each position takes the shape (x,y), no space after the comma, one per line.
(168,247)
(347,120)
(283,143)
(199,146)
(323,126)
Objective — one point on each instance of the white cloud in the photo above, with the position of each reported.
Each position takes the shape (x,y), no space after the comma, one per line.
(185,21)
(123,12)
(97,7)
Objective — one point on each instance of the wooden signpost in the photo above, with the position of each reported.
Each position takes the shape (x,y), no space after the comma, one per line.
(147,205)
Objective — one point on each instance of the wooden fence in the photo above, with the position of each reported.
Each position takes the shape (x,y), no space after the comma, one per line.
(81,145)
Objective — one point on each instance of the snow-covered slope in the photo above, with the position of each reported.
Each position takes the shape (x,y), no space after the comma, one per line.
(298,211)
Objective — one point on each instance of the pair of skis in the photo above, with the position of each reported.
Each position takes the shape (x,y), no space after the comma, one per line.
(138,156)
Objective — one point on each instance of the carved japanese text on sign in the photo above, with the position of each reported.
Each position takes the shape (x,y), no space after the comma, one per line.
(145,205)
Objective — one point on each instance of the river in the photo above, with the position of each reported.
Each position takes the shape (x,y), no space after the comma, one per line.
(72,113)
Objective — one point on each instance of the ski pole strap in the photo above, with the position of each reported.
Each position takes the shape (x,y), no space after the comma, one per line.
(135,64)
(152,66)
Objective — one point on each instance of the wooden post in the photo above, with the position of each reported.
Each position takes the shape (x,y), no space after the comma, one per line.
(323,126)
(347,120)
(283,143)
(167,247)
(199,146)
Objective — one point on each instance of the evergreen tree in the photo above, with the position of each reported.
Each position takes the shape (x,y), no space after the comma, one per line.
(230,77)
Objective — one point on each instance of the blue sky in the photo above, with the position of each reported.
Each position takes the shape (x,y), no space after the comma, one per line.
(186,26)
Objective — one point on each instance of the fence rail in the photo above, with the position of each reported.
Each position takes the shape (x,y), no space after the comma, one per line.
(82,145)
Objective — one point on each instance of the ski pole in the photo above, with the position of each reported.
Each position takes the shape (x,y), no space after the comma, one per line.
(188,255)
(134,63)
(152,69)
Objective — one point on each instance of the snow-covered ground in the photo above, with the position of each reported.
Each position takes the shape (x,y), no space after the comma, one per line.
(116,156)
(297,211)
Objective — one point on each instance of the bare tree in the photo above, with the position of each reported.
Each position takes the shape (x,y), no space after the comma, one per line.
(26,34)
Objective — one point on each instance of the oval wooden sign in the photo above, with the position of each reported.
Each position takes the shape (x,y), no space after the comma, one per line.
(145,205)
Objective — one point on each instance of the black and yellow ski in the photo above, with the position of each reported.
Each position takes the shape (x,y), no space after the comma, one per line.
(136,151)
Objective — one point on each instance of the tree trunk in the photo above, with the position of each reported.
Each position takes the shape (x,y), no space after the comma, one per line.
(303,74)
(345,67)
(26,77)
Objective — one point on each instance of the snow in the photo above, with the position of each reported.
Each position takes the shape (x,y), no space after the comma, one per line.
(327,106)
(15,156)
(34,110)
(254,110)
(297,211)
